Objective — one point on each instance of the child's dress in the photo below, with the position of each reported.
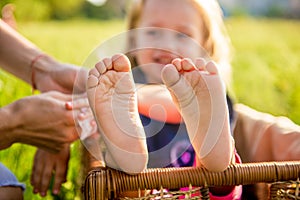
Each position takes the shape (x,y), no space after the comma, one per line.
(169,146)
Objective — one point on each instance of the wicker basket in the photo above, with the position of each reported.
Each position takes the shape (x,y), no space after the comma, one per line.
(105,183)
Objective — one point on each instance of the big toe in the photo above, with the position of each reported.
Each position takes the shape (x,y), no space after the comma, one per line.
(121,63)
(170,75)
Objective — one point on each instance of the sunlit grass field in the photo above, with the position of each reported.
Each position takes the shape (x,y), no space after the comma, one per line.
(266,69)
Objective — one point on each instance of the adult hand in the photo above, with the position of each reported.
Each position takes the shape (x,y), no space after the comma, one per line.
(41,120)
(45,166)
(58,76)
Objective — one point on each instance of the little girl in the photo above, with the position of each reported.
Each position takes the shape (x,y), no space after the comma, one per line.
(196,87)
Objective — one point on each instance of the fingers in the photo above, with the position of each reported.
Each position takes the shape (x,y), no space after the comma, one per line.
(47,166)
(60,177)
(88,126)
(58,95)
(41,172)
(35,174)
(78,102)
(45,178)
(82,111)
(71,102)
(85,123)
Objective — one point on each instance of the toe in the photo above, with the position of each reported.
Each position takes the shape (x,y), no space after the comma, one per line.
(108,63)
(177,63)
(121,63)
(212,68)
(94,72)
(101,68)
(92,79)
(187,64)
(170,75)
(200,64)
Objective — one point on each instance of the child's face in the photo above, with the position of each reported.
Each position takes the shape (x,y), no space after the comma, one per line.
(184,21)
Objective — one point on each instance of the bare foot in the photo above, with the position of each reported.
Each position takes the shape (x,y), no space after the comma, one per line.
(199,93)
(112,97)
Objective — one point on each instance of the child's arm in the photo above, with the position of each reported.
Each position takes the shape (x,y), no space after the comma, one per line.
(263,137)
(156,102)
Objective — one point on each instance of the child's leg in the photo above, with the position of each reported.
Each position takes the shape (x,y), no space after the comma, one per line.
(200,96)
(112,97)
(11,192)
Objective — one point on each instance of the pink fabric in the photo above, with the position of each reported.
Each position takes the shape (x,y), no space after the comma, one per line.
(235,194)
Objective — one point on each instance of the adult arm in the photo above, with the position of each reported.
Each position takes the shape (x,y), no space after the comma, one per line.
(23,59)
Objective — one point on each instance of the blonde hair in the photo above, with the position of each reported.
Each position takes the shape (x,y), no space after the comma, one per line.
(217,43)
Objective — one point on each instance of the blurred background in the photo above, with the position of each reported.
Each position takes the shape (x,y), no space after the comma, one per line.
(107,9)
(266,58)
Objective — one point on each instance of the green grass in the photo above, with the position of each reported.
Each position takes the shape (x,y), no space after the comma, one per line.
(266,66)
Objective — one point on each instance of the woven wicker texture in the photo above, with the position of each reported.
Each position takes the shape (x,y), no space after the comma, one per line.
(106,183)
